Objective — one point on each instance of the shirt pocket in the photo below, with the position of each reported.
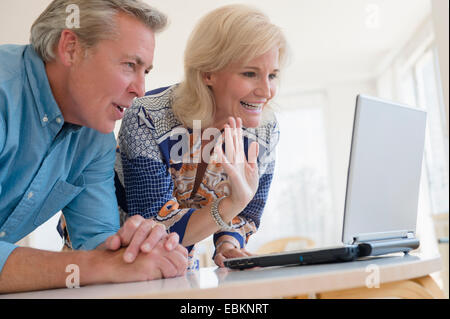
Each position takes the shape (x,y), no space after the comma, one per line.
(60,195)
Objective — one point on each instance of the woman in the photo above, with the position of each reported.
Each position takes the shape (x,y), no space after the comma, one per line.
(232,61)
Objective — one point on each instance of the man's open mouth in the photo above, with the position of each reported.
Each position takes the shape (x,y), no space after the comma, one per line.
(121,108)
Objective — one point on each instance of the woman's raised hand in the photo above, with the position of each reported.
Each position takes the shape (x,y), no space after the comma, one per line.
(243,175)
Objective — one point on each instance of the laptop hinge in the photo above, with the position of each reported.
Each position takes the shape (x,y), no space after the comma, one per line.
(395,235)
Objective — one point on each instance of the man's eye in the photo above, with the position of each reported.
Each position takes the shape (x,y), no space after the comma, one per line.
(131,65)
(249,74)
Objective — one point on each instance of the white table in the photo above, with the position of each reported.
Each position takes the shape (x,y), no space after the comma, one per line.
(397,276)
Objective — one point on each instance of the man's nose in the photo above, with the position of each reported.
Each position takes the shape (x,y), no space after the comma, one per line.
(137,87)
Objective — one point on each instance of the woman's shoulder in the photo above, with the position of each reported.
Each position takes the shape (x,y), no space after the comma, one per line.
(154,110)
(267,134)
(156,100)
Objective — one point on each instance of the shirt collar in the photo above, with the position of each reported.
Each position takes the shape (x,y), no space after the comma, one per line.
(71,127)
(47,107)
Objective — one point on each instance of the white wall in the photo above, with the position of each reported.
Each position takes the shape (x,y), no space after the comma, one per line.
(17,17)
(440,17)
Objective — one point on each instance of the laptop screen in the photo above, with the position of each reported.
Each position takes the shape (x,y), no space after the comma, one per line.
(384,169)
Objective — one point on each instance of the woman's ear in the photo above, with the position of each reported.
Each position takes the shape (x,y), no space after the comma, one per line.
(208,78)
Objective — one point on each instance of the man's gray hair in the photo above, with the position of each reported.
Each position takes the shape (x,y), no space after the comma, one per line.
(96,22)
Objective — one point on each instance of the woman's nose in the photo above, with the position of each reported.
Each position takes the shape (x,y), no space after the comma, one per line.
(264,89)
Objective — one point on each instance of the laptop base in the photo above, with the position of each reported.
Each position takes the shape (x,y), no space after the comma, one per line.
(325,255)
(382,247)
(301,257)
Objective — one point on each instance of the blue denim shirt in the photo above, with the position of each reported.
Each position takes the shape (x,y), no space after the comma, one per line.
(47,165)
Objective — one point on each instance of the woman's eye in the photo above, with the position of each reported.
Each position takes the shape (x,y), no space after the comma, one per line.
(249,74)
(273,76)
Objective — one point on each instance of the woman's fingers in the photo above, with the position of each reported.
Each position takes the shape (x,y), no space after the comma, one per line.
(240,141)
(219,259)
(229,149)
(222,158)
(231,253)
(234,142)
(230,139)
(234,157)
(253,152)
(247,253)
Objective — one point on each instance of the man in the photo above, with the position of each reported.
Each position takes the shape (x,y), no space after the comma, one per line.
(59,100)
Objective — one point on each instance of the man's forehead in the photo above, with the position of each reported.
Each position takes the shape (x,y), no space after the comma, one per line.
(139,60)
(137,40)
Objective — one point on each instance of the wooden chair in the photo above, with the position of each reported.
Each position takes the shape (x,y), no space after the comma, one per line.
(418,288)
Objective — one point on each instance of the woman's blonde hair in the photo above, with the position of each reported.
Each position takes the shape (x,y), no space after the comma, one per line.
(230,34)
(96,19)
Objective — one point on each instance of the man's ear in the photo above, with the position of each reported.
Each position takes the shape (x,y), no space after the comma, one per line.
(68,47)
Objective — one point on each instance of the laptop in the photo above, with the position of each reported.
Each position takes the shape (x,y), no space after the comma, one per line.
(382,193)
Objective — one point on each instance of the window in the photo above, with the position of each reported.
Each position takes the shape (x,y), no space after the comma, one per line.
(420,87)
(299,202)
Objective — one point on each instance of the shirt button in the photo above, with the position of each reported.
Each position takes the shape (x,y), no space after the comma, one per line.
(30,194)
(58,120)
(45,119)
(2,234)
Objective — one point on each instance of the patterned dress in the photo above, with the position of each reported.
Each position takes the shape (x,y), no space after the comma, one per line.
(155,176)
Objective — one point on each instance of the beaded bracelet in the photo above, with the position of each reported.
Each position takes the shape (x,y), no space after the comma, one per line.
(216,216)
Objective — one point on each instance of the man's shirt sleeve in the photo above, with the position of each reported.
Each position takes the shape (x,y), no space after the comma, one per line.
(93,215)
(2,121)
(5,250)
(2,141)
(2,133)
